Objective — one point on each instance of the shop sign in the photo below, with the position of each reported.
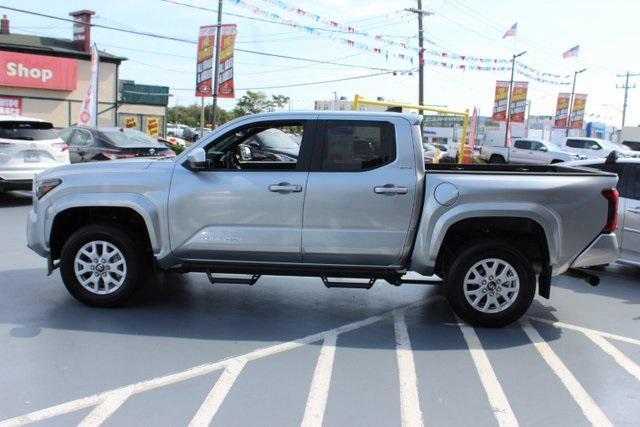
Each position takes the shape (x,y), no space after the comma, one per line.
(37,71)
(10,106)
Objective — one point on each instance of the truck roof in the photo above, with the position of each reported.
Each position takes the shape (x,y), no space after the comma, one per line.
(412,118)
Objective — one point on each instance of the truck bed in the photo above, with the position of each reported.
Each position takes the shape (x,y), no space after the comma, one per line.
(511,169)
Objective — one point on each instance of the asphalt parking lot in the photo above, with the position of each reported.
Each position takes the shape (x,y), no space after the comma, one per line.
(287,351)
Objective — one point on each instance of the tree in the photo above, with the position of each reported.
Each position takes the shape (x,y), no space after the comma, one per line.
(258,102)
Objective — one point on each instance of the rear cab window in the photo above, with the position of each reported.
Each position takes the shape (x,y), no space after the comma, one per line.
(27,130)
(355,146)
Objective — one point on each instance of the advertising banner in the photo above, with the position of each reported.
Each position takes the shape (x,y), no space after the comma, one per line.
(152,126)
(562,110)
(204,65)
(577,111)
(89,108)
(10,106)
(225,82)
(500,102)
(518,101)
(37,71)
(130,122)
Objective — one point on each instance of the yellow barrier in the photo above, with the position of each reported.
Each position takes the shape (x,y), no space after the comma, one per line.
(358,100)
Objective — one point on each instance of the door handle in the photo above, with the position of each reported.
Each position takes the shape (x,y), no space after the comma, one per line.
(390,189)
(635,210)
(284,187)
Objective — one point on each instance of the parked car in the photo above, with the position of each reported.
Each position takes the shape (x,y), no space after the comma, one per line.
(27,147)
(182,131)
(89,144)
(527,152)
(593,148)
(633,145)
(628,232)
(429,152)
(357,202)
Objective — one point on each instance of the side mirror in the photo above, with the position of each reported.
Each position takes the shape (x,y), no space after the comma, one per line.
(595,147)
(246,153)
(543,148)
(197,159)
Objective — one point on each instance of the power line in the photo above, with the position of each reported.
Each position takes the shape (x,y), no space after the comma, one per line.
(193,42)
(320,82)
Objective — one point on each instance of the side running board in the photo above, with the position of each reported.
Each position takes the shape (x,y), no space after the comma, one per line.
(233,280)
(343,284)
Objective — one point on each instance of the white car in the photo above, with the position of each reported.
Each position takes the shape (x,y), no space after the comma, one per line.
(27,147)
(593,148)
(628,232)
(527,151)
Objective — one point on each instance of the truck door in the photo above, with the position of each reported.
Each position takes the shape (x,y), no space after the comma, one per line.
(242,208)
(521,153)
(361,193)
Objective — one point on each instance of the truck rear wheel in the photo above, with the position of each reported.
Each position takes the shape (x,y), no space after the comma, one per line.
(490,284)
(101,265)
(496,159)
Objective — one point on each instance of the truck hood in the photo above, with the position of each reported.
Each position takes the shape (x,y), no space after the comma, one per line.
(94,168)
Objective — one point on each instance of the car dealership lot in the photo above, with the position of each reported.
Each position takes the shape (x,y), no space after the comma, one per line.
(188,351)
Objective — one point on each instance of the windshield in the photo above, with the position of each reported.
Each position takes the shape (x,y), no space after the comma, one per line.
(277,139)
(28,131)
(128,138)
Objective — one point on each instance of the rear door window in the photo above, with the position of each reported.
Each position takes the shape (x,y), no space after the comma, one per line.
(27,131)
(576,143)
(354,146)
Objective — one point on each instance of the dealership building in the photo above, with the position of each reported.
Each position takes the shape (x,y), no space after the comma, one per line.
(47,78)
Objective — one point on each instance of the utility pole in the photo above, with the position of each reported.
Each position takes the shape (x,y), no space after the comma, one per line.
(216,66)
(418,11)
(508,122)
(573,93)
(626,88)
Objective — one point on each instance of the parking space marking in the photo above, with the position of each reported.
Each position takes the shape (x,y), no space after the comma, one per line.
(410,412)
(104,410)
(218,393)
(589,408)
(585,330)
(620,358)
(497,399)
(320,384)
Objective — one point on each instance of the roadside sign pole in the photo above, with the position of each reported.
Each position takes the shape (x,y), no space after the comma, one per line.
(508,118)
(573,94)
(216,67)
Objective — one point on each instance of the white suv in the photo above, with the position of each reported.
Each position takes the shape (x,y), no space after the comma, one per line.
(593,148)
(27,147)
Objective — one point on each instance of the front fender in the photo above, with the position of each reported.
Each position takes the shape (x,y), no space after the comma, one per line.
(140,204)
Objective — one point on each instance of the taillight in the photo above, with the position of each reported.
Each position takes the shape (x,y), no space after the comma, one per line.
(61,145)
(612,197)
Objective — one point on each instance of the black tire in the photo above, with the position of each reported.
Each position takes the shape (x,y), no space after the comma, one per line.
(555,161)
(463,263)
(134,256)
(497,159)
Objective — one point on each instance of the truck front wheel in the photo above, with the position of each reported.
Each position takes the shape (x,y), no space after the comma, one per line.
(490,284)
(101,265)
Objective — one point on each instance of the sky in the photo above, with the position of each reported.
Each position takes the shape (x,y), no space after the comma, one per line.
(607,33)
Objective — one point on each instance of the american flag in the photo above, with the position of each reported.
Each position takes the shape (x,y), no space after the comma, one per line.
(511,32)
(571,52)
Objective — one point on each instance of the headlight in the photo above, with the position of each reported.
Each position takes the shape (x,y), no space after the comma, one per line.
(46,185)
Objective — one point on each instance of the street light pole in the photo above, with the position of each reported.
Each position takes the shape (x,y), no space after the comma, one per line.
(216,66)
(573,93)
(513,69)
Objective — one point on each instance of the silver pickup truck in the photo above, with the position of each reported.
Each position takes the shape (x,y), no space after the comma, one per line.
(341,196)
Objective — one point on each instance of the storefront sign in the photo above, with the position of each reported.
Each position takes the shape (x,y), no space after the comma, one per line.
(577,111)
(518,101)
(37,71)
(562,109)
(130,122)
(500,102)
(204,65)
(10,106)
(225,82)
(152,126)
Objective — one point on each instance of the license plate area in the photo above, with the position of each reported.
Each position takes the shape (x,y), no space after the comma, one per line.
(31,157)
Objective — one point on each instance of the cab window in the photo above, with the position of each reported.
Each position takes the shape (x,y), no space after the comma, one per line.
(522,144)
(354,146)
